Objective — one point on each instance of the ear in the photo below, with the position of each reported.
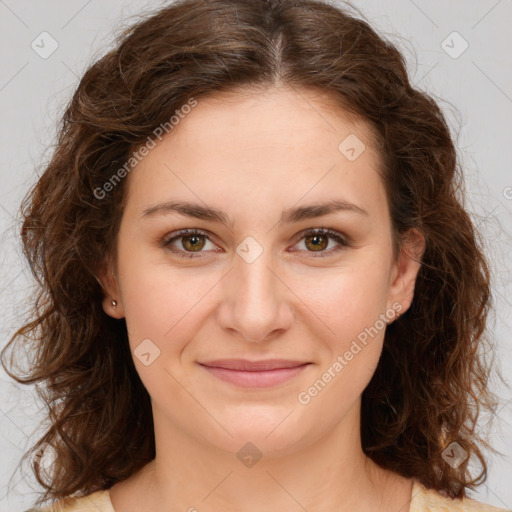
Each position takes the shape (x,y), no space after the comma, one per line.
(406,269)
(110,286)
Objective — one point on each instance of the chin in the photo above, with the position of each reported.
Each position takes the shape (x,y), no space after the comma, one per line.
(273,432)
(258,444)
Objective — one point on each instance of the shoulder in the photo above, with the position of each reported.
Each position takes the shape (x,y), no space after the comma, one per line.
(429,500)
(99,500)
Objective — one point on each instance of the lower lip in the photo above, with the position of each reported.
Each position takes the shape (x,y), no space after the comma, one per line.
(256,379)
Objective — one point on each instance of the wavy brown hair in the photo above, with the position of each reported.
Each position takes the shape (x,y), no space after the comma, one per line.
(431,381)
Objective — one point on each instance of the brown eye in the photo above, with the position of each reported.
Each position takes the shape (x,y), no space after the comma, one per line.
(317,242)
(193,242)
(187,243)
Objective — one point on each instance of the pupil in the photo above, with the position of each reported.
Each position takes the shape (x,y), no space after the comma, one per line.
(317,241)
(193,241)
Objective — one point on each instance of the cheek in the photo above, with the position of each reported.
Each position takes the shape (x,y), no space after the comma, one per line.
(352,303)
(162,304)
(348,300)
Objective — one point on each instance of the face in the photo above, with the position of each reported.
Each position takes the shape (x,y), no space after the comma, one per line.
(262,278)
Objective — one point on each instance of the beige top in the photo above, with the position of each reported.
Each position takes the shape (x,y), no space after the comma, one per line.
(422,500)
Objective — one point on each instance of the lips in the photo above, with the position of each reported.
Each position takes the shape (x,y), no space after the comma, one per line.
(254,374)
(253,366)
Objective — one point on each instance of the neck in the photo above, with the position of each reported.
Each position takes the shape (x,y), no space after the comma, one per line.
(331,473)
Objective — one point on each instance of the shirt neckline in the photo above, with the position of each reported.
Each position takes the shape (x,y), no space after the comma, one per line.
(417,492)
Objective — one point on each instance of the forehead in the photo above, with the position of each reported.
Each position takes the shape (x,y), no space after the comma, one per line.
(262,147)
(278,117)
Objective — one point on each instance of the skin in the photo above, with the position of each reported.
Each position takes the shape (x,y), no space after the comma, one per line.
(252,156)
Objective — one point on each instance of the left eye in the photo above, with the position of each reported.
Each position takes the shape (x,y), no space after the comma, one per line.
(318,239)
(193,241)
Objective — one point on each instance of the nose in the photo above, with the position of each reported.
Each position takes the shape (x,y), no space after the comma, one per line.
(256,303)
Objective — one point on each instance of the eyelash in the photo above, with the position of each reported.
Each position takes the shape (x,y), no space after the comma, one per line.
(166,242)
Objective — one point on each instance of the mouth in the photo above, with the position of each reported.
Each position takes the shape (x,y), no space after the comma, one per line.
(255,374)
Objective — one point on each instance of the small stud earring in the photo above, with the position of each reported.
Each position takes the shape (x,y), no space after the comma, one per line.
(114,303)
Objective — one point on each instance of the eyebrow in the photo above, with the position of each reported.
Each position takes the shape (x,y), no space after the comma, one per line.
(288,216)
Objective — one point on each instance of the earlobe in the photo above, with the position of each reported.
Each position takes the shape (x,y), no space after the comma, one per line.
(111,302)
(407,269)
(112,307)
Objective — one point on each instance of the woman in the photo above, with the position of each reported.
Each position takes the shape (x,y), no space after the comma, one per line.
(259,288)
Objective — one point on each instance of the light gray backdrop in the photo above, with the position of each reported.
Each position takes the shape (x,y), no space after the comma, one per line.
(459,51)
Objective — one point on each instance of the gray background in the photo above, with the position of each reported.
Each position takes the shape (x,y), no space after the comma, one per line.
(474,90)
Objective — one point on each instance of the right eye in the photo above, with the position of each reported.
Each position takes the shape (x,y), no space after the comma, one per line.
(192,241)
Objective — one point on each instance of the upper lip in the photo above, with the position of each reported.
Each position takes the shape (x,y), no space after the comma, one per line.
(246,365)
